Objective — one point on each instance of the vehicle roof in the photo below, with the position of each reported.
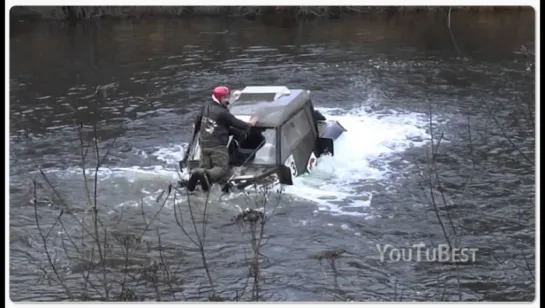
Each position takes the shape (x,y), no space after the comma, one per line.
(272,105)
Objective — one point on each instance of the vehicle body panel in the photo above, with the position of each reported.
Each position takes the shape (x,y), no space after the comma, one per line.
(285,143)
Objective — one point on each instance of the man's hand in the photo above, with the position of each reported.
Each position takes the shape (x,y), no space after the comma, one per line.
(253,121)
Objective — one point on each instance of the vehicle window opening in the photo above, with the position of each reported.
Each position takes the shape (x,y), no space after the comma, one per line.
(259,147)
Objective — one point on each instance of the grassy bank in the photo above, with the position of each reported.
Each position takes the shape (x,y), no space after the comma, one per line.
(249,12)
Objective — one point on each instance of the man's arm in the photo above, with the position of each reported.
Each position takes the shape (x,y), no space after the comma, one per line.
(232,121)
(238,134)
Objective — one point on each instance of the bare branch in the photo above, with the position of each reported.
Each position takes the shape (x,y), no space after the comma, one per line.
(44,242)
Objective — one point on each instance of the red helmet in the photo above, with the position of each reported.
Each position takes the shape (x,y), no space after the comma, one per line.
(220,92)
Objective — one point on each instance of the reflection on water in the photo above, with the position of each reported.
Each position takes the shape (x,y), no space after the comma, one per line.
(378,77)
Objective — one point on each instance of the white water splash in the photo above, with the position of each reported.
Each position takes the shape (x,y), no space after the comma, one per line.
(339,185)
(361,157)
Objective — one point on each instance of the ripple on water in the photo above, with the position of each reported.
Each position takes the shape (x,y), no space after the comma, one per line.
(373,191)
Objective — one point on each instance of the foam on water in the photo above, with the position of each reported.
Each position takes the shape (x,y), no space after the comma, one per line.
(171,154)
(340,185)
(130,174)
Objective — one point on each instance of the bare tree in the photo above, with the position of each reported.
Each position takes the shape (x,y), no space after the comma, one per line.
(99,249)
(252,223)
(115,265)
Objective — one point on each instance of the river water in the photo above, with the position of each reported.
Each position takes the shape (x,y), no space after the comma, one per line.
(381,79)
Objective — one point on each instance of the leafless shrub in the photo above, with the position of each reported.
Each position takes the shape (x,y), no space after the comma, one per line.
(252,222)
(97,251)
(458,216)
(90,259)
(199,239)
(331,257)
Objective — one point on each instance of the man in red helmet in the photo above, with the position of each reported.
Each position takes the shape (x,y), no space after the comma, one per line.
(215,123)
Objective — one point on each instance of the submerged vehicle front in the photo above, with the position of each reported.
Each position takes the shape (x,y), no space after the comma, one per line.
(285,143)
(260,158)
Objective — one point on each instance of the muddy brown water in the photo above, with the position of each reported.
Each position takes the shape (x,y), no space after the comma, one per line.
(379,78)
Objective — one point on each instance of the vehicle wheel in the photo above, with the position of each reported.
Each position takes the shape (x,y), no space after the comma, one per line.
(293,169)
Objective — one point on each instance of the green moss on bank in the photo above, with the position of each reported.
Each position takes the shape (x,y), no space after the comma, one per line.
(249,12)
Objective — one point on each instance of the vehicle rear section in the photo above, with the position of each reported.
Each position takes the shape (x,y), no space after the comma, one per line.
(298,138)
(329,131)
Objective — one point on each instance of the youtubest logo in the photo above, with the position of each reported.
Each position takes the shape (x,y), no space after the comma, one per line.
(421,253)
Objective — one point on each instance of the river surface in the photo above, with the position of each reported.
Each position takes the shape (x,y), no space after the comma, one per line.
(379,78)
